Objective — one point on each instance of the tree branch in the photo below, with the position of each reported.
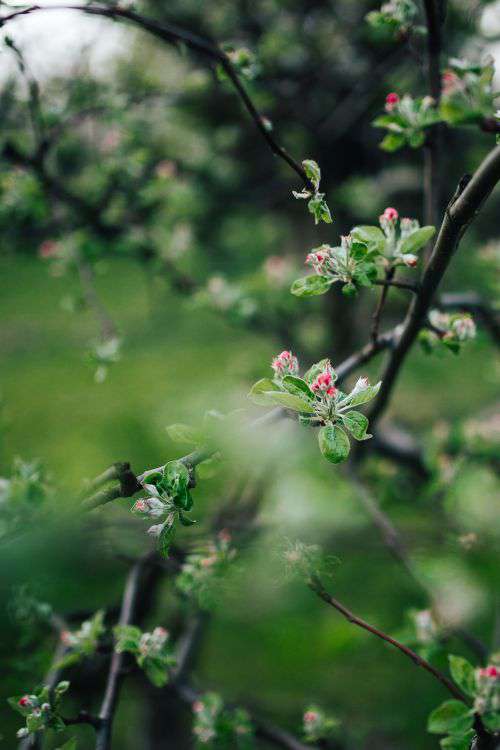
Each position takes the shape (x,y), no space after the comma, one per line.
(173,34)
(315,585)
(464,206)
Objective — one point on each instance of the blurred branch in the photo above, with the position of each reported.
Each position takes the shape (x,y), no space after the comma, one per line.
(172,34)
(462,209)
(316,585)
(87,281)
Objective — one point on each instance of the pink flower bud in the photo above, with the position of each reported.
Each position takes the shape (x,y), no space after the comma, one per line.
(48,249)
(391,101)
(490,671)
(66,637)
(198,707)
(25,701)
(390,214)
(285,364)
(224,536)
(310,717)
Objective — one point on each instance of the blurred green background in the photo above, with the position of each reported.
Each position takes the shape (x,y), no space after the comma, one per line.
(218,208)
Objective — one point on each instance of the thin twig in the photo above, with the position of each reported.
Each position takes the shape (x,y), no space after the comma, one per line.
(173,34)
(315,584)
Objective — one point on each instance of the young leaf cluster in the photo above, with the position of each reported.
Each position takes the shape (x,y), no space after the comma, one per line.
(456,719)
(447,331)
(167,498)
(468,94)
(316,202)
(152,651)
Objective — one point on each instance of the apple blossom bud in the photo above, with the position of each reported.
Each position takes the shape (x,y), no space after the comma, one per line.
(198,707)
(285,364)
(48,249)
(23,732)
(310,717)
(25,701)
(391,101)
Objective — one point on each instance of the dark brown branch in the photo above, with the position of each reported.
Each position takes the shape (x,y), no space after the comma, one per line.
(465,205)
(318,588)
(115,674)
(173,34)
(397,284)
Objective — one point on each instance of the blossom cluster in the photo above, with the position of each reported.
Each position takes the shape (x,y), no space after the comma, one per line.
(82,642)
(152,651)
(487,700)
(319,402)
(202,573)
(468,95)
(167,497)
(406,120)
(218,726)
(40,709)
(450,330)
(356,261)
(397,17)
(317,726)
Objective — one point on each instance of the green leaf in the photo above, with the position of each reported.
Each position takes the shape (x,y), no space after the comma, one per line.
(463,674)
(357,424)
(176,476)
(165,538)
(311,286)
(61,688)
(127,638)
(491,721)
(296,403)
(313,171)
(362,397)
(13,702)
(183,433)
(157,671)
(458,742)
(185,520)
(417,240)
(334,443)
(297,387)
(373,237)
(318,207)
(451,717)
(260,391)
(392,142)
(69,745)
(416,139)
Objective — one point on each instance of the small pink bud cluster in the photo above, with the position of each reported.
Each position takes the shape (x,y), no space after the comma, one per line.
(285,364)
(198,707)
(48,249)
(165,169)
(464,328)
(277,269)
(151,644)
(451,83)
(311,717)
(149,506)
(324,383)
(391,101)
(68,638)
(27,701)
(318,259)
(490,672)
(390,216)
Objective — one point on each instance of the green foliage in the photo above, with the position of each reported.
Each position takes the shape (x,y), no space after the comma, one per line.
(22,496)
(216,726)
(152,651)
(40,709)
